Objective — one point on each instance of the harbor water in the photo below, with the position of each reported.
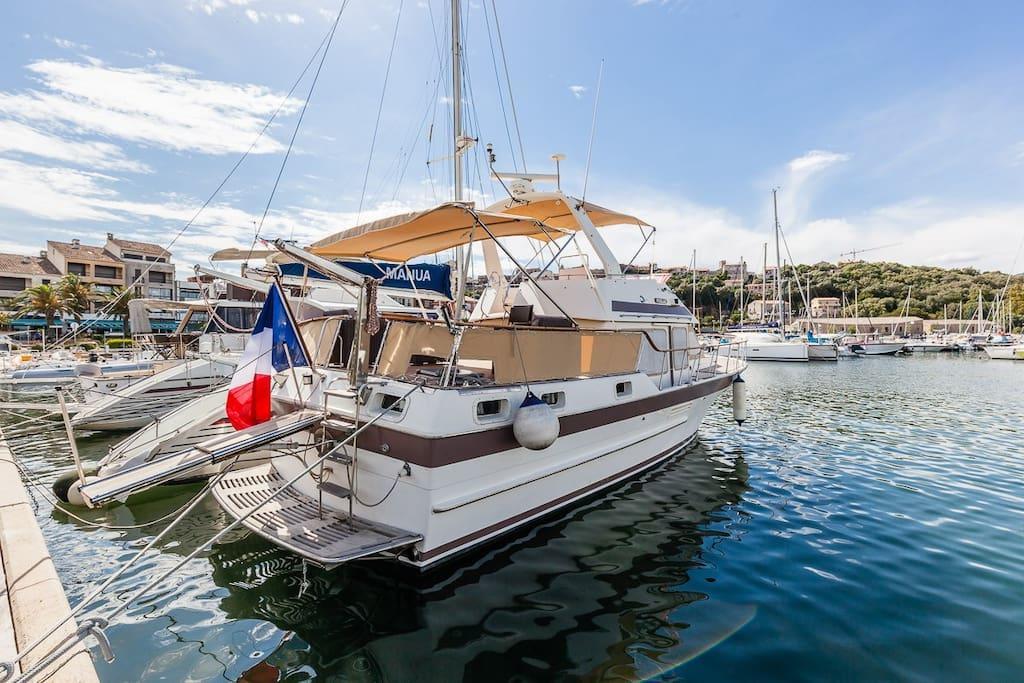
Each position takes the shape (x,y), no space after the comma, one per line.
(865,524)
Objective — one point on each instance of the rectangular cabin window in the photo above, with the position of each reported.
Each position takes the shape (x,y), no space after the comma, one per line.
(555,399)
(623,389)
(391,403)
(494,409)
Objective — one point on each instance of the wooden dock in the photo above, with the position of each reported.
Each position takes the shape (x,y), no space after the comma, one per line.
(32,595)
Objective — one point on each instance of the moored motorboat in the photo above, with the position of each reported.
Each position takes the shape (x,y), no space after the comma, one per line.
(771,345)
(425,457)
(1004,351)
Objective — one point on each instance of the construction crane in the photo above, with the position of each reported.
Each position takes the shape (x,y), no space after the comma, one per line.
(853,252)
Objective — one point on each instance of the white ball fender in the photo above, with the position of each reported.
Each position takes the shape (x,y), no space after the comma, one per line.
(75,493)
(535,425)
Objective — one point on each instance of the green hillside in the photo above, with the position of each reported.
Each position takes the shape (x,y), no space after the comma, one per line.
(882,289)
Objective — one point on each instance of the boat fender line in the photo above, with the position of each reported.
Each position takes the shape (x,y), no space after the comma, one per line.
(739,400)
(90,626)
(535,425)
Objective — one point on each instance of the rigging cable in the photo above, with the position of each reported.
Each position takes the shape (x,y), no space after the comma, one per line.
(113,302)
(501,97)
(298,124)
(380,108)
(508,82)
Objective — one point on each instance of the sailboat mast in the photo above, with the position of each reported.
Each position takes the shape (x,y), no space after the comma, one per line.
(764,282)
(778,257)
(456,99)
(460,253)
(743,286)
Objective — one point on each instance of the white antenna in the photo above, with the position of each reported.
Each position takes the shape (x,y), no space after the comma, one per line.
(558,158)
(593,128)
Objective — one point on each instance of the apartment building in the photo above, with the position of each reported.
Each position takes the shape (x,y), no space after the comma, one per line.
(19,272)
(825,307)
(94,265)
(147,266)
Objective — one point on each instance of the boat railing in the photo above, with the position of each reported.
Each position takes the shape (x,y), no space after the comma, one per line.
(704,360)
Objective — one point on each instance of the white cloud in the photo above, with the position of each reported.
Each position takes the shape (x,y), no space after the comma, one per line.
(253,15)
(68,44)
(577,90)
(52,193)
(815,161)
(22,139)
(798,184)
(161,105)
(294,18)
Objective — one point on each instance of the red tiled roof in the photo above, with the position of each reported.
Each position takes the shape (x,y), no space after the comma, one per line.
(85,251)
(29,265)
(143,247)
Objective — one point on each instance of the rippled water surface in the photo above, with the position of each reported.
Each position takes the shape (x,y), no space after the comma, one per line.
(866,524)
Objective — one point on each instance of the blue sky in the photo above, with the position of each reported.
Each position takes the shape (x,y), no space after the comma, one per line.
(881,122)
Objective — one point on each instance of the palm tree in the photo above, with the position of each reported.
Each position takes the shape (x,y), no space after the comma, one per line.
(75,295)
(43,300)
(116,304)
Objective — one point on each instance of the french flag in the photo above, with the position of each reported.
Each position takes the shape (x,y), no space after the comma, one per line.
(274,343)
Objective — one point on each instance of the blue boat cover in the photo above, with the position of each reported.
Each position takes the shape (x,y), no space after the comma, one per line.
(431,277)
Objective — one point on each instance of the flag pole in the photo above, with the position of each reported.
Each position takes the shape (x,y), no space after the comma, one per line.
(291,320)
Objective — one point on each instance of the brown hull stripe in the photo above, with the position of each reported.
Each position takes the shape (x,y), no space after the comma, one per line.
(506,524)
(446,450)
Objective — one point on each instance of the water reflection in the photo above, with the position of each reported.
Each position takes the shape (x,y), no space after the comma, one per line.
(601,591)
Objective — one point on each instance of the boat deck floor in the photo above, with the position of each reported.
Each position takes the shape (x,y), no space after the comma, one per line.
(297,522)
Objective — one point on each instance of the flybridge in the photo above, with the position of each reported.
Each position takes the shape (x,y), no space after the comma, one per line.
(435,278)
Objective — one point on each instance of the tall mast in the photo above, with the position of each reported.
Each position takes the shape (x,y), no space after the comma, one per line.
(461,265)
(778,259)
(743,286)
(456,99)
(693,273)
(764,283)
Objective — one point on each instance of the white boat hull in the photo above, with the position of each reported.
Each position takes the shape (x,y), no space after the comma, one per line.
(822,351)
(138,404)
(1004,352)
(457,505)
(877,348)
(782,351)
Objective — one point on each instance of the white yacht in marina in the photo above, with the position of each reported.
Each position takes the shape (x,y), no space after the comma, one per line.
(404,436)
(1004,351)
(770,344)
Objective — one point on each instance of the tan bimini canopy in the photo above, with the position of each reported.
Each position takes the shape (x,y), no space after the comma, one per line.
(408,235)
(550,208)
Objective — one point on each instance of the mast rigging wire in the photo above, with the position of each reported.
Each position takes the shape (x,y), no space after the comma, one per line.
(113,302)
(593,129)
(298,124)
(380,108)
(497,80)
(508,82)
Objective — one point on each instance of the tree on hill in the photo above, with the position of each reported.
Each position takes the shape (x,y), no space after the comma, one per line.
(881,289)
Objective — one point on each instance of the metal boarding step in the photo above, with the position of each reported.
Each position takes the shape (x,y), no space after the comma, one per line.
(294,521)
(123,483)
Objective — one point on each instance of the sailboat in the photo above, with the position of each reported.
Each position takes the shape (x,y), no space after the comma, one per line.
(416,439)
(767,340)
